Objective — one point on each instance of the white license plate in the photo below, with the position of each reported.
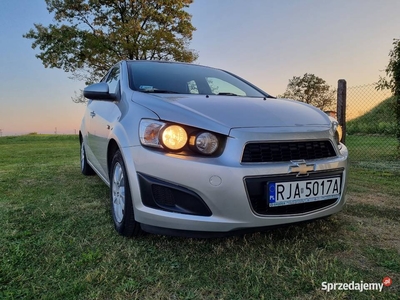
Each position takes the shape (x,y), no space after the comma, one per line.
(295,192)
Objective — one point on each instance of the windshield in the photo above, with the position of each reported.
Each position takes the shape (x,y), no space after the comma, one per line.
(164,77)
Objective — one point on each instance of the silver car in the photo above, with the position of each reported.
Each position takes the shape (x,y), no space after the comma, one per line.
(196,151)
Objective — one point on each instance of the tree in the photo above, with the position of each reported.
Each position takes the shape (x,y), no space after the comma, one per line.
(90,36)
(393,82)
(310,89)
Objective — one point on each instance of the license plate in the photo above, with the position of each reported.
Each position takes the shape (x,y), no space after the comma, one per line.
(295,192)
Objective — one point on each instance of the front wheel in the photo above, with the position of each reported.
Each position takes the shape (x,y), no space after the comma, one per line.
(121,200)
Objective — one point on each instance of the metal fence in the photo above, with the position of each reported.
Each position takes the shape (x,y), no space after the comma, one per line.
(371,127)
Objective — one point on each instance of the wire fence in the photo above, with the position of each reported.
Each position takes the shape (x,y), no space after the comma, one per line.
(371,127)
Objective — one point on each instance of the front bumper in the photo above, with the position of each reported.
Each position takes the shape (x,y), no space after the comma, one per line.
(222,184)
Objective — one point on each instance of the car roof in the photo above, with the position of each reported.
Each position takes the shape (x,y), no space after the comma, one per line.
(167,62)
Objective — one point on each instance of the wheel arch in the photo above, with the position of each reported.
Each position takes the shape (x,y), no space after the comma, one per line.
(111,150)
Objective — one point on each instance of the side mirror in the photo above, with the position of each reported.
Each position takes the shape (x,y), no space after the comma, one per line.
(98,91)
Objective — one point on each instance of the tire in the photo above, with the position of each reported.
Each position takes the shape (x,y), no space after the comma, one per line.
(86,169)
(121,199)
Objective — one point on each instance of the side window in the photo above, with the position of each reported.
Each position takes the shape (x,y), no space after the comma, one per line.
(220,86)
(192,87)
(113,80)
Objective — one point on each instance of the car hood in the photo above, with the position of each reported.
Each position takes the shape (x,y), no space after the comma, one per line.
(223,113)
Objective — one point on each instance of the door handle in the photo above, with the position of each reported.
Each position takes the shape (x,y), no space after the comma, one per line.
(92,114)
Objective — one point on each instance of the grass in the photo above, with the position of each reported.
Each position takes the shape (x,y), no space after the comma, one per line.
(379,120)
(57,241)
(367,148)
(371,138)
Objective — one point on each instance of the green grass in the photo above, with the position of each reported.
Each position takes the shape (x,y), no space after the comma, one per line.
(367,148)
(379,120)
(57,241)
(371,138)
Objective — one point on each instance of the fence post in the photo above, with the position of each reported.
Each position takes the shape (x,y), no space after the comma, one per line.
(397,101)
(341,106)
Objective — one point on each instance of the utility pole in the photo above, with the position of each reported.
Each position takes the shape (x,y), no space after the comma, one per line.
(1,132)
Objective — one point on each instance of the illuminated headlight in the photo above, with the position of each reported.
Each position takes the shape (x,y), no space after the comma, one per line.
(337,130)
(180,138)
(338,134)
(161,135)
(174,137)
(205,142)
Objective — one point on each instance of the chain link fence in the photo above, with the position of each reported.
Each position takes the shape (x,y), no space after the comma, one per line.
(371,127)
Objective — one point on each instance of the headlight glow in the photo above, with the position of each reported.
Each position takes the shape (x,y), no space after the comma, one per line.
(337,130)
(339,133)
(174,137)
(178,138)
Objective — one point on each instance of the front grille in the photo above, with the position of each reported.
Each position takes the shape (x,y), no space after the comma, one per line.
(258,194)
(287,151)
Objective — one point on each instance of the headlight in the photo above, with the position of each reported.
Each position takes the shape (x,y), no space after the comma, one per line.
(205,142)
(184,139)
(339,134)
(337,130)
(161,135)
(174,137)
(149,133)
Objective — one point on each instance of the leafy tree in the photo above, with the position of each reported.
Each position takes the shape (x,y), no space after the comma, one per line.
(393,82)
(310,89)
(90,36)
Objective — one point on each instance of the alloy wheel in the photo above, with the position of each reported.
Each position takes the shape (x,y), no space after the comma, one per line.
(118,192)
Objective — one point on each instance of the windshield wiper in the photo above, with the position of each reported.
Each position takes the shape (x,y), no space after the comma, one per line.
(158,91)
(227,94)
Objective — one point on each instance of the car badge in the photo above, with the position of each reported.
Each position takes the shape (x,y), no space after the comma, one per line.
(301,168)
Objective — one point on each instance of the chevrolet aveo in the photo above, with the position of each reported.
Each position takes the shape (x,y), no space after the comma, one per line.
(197,151)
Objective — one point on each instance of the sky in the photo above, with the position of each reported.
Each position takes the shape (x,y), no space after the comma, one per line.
(266,42)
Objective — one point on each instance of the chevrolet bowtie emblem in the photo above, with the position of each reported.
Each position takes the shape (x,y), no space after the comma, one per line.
(301,168)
